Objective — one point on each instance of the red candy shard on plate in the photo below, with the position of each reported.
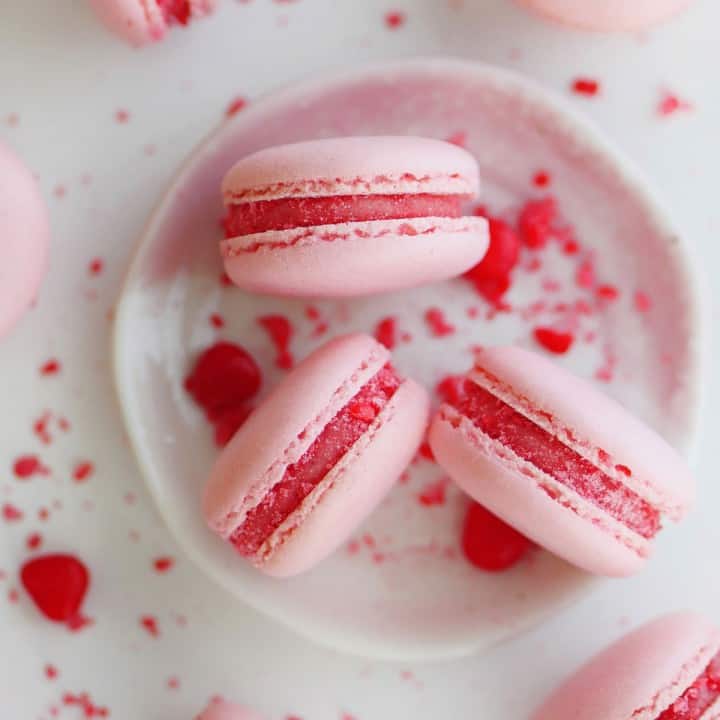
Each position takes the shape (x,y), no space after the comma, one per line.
(224,376)
(490,544)
(57,584)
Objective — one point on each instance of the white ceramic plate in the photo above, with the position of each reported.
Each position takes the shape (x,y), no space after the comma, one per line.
(402,589)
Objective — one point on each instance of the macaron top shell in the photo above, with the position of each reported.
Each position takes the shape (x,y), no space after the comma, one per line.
(591,423)
(353,166)
(639,676)
(221,710)
(24,238)
(279,431)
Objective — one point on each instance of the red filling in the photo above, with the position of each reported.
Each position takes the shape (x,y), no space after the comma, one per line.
(339,435)
(696,700)
(290,213)
(176,11)
(502,423)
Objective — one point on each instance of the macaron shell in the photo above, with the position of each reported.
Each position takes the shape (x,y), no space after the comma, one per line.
(364,265)
(517,499)
(640,675)
(608,15)
(24,238)
(221,710)
(382,164)
(362,483)
(130,19)
(598,420)
(302,396)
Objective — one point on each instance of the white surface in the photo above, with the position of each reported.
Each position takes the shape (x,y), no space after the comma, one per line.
(66,79)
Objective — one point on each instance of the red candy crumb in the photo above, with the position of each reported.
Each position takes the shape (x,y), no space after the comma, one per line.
(426,452)
(491,276)
(86,705)
(163,564)
(280,331)
(11,513)
(536,222)
(386,332)
(607,292)
(585,86)
(395,19)
(437,323)
(670,103)
(150,623)
(50,367)
(40,428)
(51,672)
(489,543)
(217,321)
(57,585)
(82,471)
(554,341)
(235,106)
(27,466)
(96,266)
(434,493)
(122,116)
(34,541)
(541,179)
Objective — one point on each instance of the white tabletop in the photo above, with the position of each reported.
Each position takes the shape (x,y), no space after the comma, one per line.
(62,83)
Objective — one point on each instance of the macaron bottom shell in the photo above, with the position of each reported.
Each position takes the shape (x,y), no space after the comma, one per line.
(356,259)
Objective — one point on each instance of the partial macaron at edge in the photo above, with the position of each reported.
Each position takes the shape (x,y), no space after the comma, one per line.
(640,675)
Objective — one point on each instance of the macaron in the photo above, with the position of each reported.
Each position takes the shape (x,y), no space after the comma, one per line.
(140,22)
(24,239)
(222,710)
(351,216)
(668,669)
(608,15)
(316,457)
(560,461)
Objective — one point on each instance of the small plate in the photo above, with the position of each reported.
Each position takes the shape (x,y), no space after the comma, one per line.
(401,588)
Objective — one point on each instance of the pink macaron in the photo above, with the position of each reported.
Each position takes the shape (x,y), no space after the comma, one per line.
(140,22)
(24,239)
(222,710)
(351,216)
(668,669)
(316,457)
(560,461)
(608,15)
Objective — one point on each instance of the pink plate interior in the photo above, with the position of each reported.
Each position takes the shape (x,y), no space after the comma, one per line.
(402,588)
